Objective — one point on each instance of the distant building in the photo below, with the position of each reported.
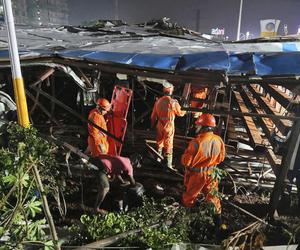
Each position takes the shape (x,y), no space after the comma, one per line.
(40,12)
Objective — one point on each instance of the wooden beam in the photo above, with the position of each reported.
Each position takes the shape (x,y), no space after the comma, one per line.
(273,160)
(242,114)
(44,76)
(231,132)
(282,125)
(253,133)
(86,80)
(287,81)
(186,91)
(207,77)
(74,113)
(260,121)
(42,108)
(282,98)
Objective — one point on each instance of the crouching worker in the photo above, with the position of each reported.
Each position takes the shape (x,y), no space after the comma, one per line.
(200,159)
(115,167)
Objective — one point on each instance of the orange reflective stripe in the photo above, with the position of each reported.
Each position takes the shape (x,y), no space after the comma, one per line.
(215,148)
(163,105)
(200,170)
(204,151)
(166,119)
(211,148)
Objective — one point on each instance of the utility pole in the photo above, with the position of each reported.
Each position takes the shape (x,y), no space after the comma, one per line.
(18,82)
(198,20)
(116,9)
(239,22)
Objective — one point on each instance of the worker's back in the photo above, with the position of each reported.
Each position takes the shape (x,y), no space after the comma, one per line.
(206,150)
(166,108)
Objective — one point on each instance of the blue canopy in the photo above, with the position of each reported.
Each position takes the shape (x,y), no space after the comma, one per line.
(165,53)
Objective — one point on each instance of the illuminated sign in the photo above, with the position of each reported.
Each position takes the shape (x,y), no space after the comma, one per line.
(218,32)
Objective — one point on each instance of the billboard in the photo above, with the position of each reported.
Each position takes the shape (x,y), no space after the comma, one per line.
(269,27)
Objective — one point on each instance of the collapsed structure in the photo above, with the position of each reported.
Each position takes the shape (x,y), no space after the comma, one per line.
(252,88)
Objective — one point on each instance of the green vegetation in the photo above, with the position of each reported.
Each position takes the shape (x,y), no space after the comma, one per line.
(21,221)
(161,223)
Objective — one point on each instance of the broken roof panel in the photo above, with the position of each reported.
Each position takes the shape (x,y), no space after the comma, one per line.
(277,63)
(144,47)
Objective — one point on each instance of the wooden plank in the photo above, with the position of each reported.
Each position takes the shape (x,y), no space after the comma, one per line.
(44,76)
(282,98)
(186,91)
(242,114)
(204,76)
(273,160)
(231,132)
(260,122)
(42,108)
(282,125)
(253,133)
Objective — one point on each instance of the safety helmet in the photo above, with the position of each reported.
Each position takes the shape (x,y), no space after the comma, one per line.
(168,87)
(206,120)
(103,104)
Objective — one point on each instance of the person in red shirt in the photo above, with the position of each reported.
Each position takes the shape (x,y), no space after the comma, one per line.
(97,140)
(115,167)
(200,159)
(164,112)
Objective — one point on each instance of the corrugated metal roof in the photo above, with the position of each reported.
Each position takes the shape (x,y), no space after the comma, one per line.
(144,47)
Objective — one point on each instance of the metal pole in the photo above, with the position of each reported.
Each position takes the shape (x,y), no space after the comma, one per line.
(198,20)
(239,22)
(116,9)
(18,82)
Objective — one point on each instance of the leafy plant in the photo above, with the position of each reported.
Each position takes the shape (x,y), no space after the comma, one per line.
(162,223)
(20,208)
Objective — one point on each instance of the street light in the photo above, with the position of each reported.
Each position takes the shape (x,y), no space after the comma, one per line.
(18,83)
(239,22)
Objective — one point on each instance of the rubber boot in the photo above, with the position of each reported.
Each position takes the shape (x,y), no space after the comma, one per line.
(217,221)
(159,150)
(221,230)
(169,158)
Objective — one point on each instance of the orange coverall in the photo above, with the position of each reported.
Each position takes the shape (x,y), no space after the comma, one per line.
(164,111)
(203,153)
(199,93)
(97,140)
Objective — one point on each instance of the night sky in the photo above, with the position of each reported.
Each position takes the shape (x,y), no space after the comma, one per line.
(213,13)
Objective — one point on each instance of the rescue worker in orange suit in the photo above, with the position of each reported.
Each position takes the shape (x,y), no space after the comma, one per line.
(97,140)
(200,159)
(199,93)
(164,111)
